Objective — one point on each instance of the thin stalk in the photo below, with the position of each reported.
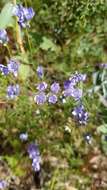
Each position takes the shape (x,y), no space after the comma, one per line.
(8,49)
(25,3)
(29,42)
(19,38)
(30,1)
(52,186)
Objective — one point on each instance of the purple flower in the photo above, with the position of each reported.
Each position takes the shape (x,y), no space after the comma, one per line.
(68,92)
(73,92)
(80,114)
(55,87)
(88,138)
(23,14)
(28,13)
(34,154)
(18,11)
(33,151)
(3,36)
(42,86)
(13,91)
(3,184)
(13,67)
(36,164)
(77,94)
(4,69)
(67,84)
(52,99)
(40,98)
(103,65)
(77,77)
(23,136)
(40,71)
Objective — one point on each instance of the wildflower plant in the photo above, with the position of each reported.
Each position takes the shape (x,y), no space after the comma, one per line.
(46,92)
(30,91)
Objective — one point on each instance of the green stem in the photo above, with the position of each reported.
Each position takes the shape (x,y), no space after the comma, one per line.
(54,179)
(8,49)
(25,3)
(29,42)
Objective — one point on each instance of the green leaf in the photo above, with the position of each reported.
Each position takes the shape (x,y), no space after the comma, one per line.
(95,77)
(75,163)
(104,144)
(6,16)
(24,71)
(102,129)
(47,44)
(12,161)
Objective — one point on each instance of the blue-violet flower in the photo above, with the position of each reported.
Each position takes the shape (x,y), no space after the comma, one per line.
(40,98)
(40,71)
(23,14)
(55,87)
(80,114)
(52,99)
(42,86)
(34,154)
(13,91)
(13,67)
(3,184)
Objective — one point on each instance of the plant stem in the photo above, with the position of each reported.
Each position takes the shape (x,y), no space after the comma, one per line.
(19,38)
(8,49)
(29,42)
(52,186)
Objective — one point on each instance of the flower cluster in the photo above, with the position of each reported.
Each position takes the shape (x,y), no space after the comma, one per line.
(70,89)
(12,67)
(41,97)
(3,36)
(34,154)
(24,15)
